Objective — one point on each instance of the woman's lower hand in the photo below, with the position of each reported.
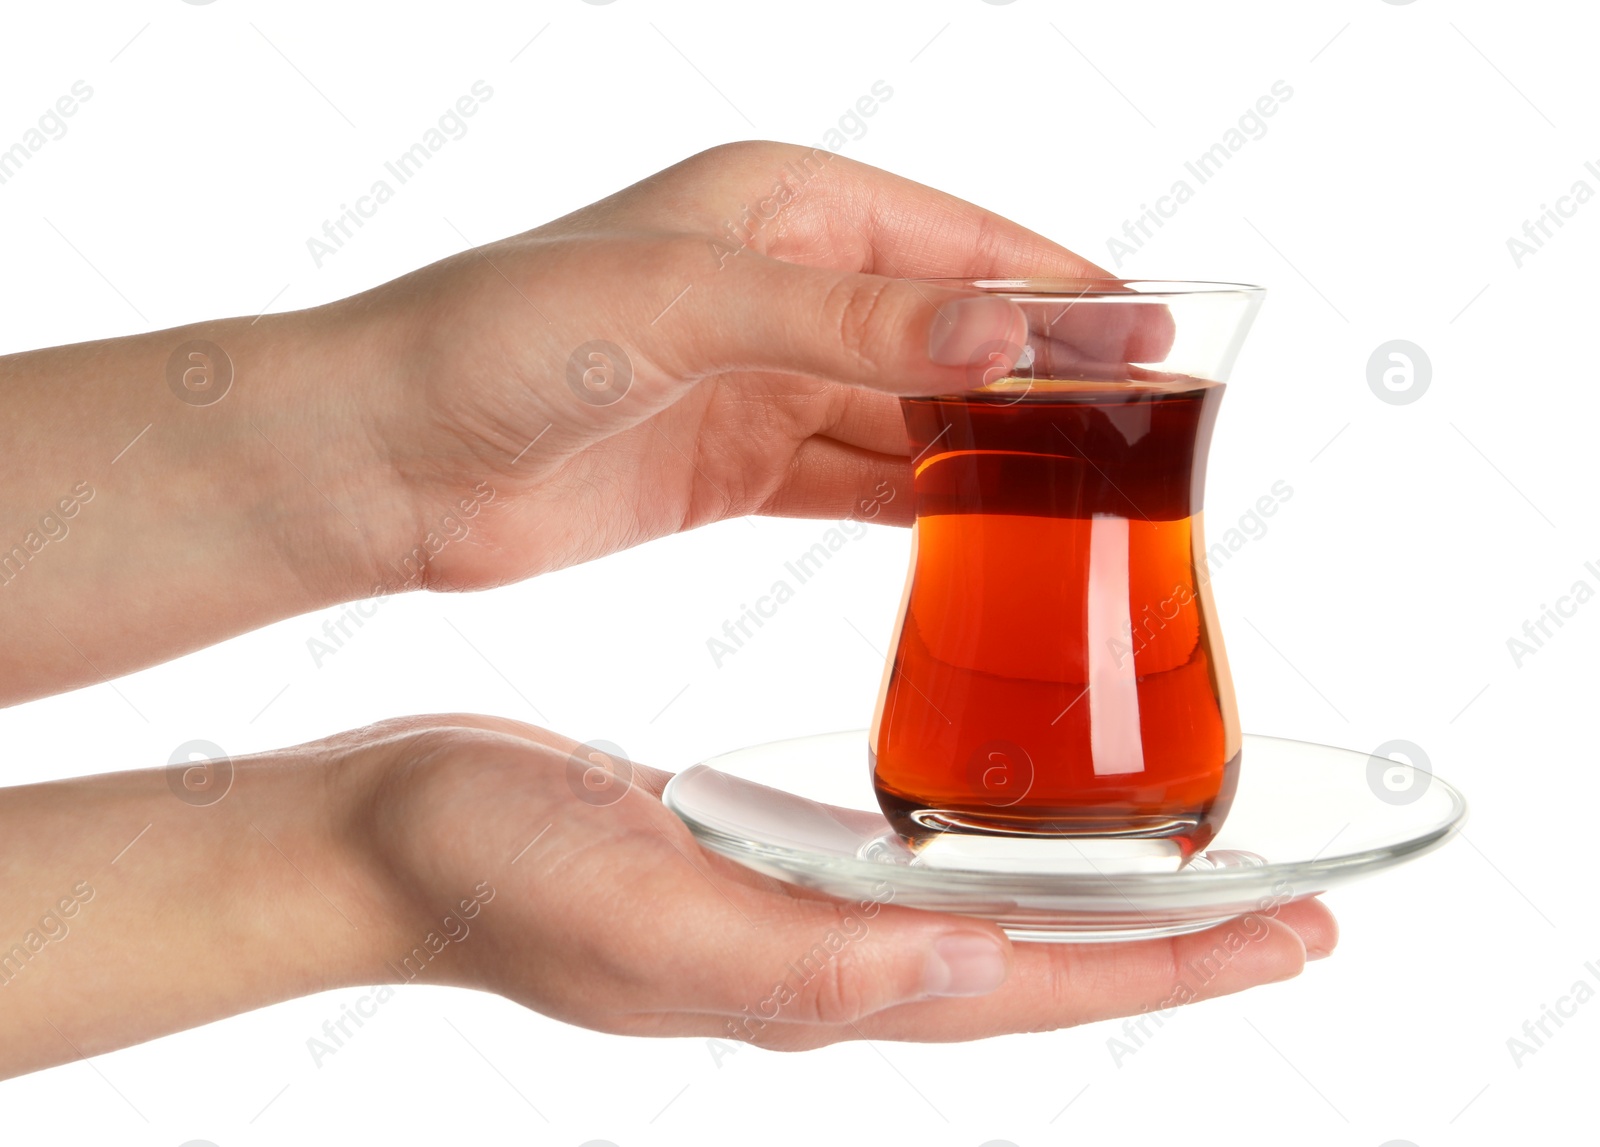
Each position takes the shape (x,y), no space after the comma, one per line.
(484,853)
(592,903)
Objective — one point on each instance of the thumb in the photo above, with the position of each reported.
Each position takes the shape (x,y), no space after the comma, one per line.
(835,963)
(897,335)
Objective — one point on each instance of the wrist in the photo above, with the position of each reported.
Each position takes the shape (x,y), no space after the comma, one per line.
(169,904)
(323,497)
(192,484)
(299,875)
(404,793)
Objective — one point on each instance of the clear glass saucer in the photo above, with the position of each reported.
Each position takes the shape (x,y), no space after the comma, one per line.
(1307,818)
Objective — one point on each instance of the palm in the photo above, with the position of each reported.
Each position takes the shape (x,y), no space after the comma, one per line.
(596,906)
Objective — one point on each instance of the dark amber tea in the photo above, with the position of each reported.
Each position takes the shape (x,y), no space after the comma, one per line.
(1058,670)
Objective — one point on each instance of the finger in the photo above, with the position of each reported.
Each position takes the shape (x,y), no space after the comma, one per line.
(903,336)
(864,418)
(763,958)
(869,420)
(884,224)
(1061,985)
(1099,337)
(886,334)
(829,479)
(1315,924)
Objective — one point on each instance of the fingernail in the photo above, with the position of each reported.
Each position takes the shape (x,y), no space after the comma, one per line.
(967,330)
(964,964)
(1317,953)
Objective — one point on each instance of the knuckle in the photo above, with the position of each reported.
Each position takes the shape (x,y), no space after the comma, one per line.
(1062,987)
(1076,984)
(838,994)
(743,152)
(837,987)
(1168,962)
(857,310)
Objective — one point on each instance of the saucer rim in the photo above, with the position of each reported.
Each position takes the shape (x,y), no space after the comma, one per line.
(1305,877)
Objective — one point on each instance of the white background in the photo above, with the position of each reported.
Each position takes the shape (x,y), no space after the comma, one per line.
(1419,537)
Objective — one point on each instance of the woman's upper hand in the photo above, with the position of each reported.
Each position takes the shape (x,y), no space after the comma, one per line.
(723,338)
(558,879)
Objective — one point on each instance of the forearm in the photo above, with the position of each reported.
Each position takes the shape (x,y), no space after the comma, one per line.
(127,911)
(145,517)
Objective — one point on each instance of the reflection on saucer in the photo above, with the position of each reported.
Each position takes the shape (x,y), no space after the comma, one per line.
(1048,855)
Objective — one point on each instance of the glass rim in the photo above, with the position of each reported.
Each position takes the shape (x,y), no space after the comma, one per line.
(1112,290)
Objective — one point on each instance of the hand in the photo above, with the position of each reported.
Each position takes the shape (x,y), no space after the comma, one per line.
(473,851)
(737,378)
(601,910)
(638,367)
